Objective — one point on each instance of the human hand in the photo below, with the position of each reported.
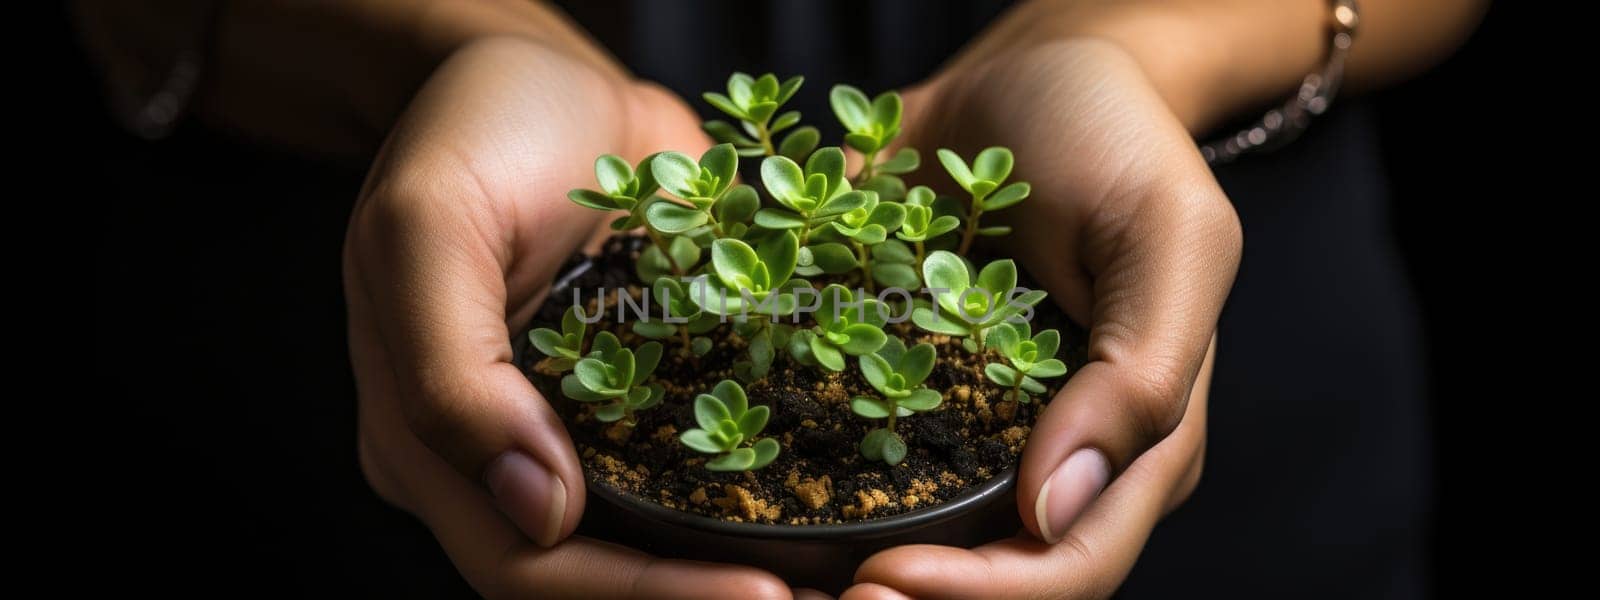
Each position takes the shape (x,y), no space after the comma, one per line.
(1130,233)
(460,226)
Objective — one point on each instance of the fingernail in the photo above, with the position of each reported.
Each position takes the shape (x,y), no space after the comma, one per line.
(1069,490)
(529,493)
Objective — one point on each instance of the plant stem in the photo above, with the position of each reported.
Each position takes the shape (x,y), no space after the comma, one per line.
(866,266)
(716,227)
(920,256)
(866,168)
(972,226)
(766,139)
(683,334)
(894,407)
(662,245)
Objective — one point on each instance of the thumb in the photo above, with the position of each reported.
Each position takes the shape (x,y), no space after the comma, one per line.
(1158,287)
(434,299)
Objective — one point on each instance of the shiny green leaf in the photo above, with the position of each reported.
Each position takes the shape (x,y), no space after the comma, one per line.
(993,164)
(724,104)
(593,199)
(700,441)
(827,354)
(1050,367)
(610,413)
(922,400)
(738,459)
(1001,374)
(862,142)
(765,451)
(676,173)
(753,421)
(829,162)
(709,412)
(783,179)
(998,277)
(1007,196)
(778,218)
(667,217)
(928,320)
(851,107)
(904,161)
(614,174)
(956,167)
(871,408)
(800,143)
(864,338)
(785,121)
(916,364)
(787,89)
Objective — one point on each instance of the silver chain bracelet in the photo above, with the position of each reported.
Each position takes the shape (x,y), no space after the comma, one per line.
(1283,124)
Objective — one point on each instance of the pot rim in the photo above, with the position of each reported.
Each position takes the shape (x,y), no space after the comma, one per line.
(950,509)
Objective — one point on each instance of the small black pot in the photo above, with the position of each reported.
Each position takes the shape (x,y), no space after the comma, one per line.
(824,557)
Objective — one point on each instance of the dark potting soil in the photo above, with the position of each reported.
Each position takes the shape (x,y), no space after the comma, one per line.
(820,475)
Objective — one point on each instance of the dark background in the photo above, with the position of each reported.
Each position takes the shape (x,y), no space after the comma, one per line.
(224,257)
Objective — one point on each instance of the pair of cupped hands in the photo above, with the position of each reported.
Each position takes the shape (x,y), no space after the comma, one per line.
(463,221)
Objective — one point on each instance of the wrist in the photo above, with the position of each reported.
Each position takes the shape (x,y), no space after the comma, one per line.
(1213,60)
(1209,59)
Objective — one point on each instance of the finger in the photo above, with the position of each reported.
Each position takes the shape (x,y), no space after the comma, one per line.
(872,591)
(1091,561)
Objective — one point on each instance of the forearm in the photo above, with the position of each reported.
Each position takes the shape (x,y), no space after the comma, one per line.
(324,76)
(1212,59)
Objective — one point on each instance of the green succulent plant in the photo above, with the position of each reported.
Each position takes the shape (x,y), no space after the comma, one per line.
(701,184)
(625,188)
(870,127)
(967,307)
(871,222)
(682,318)
(564,348)
(897,374)
(989,169)
(810,198)
(752,285)
(728,426)
(864,228)
(621,188)
(922,222)
(753,101)
(746,280)
(844,327)
(1027,359)
(615,375)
